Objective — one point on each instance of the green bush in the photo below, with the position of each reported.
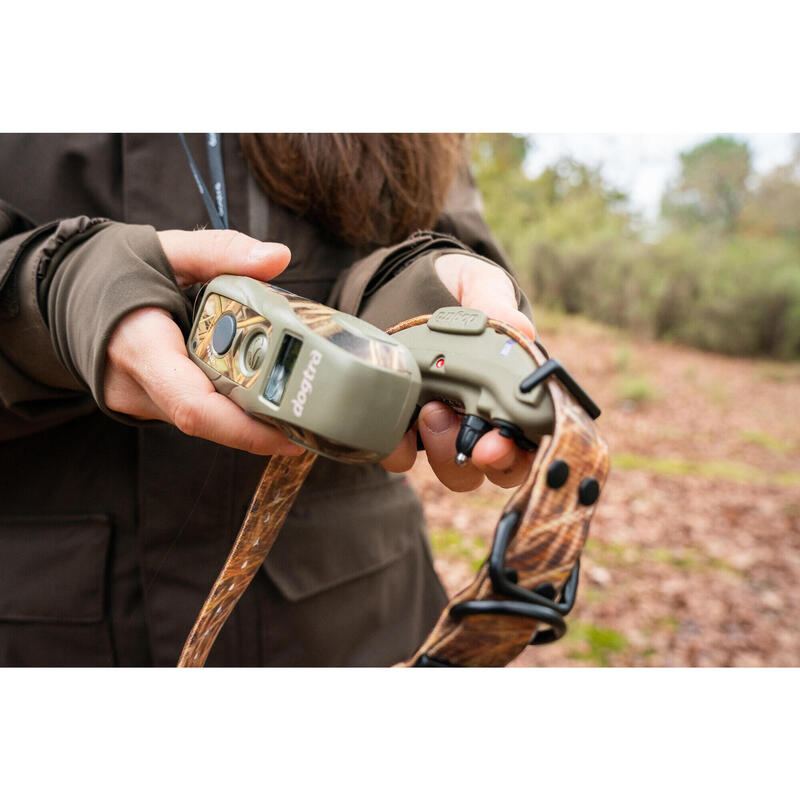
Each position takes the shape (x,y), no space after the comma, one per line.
(737,297)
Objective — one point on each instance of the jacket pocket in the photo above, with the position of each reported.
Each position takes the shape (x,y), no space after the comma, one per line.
(332,537)
(52,591)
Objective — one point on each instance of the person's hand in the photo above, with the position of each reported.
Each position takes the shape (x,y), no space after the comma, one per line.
(148,372)
(475,284)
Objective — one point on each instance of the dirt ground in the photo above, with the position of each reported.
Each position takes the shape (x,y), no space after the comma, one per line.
(693,558)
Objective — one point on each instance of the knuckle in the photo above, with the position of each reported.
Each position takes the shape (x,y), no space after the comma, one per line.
(227,243)
(186,416)
(114,399)
(115,353)
(118,351)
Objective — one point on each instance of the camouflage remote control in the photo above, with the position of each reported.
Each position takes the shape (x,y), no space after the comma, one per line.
(331,382)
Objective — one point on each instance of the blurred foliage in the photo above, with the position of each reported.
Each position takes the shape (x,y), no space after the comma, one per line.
(722,273)
(593,644)
(723,470)
(454,544)
(711,187)
(635,390)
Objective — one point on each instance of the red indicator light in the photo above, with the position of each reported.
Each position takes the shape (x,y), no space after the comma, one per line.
(439,363)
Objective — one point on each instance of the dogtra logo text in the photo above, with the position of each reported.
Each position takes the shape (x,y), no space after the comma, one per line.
(463,319)
(306,385)
(454,319)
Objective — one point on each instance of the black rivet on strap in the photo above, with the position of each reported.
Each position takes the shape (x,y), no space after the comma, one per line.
(588,491)
(545,590)
(557,474)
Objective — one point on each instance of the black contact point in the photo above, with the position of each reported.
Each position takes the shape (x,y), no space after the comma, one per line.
(224,333)
(472,428)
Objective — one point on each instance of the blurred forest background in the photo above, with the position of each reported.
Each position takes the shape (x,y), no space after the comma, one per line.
(721,270)
(686,330)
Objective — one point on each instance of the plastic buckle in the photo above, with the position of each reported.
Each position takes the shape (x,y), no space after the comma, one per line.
(532,603)
(554,367)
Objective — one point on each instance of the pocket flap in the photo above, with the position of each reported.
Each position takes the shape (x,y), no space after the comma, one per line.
(52,569)
(334,537)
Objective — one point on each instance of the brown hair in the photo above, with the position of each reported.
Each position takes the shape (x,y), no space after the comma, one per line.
(364,188)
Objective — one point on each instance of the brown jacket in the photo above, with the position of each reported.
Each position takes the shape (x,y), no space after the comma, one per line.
(111,533)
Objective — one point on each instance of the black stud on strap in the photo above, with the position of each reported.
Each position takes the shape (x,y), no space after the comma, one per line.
(588,491)
(557,474)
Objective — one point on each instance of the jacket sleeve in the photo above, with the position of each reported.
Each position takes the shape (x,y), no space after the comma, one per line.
(395,283)
(64,286)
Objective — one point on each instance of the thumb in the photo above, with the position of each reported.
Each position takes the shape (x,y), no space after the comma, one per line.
(476,284)
(198,256)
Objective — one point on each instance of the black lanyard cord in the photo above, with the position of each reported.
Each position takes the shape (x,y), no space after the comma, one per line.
(218,214)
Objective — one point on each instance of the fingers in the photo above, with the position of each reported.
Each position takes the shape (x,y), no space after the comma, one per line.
(405,454)
(198,256)
(438,427)
(216,418)
(148,350)
(494,456)
(501,460)
(188,397)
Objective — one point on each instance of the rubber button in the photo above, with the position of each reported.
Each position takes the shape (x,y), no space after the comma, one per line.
(557,474)
(588,491)
(224,331)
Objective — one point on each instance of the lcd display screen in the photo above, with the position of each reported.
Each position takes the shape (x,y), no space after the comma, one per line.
(284,364)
